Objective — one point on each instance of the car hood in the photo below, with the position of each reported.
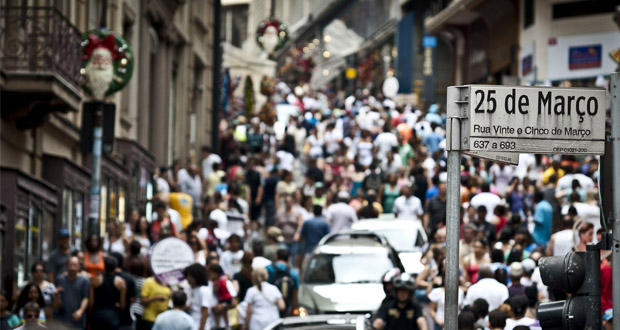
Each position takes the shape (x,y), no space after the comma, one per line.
(411,261)
(340,298)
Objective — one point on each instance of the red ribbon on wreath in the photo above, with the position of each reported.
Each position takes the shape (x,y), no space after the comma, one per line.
(95,42)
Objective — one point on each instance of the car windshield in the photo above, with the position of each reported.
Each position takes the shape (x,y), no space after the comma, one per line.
(402,239)
(347,268)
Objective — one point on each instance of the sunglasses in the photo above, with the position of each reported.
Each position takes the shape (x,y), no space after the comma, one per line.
(31,316)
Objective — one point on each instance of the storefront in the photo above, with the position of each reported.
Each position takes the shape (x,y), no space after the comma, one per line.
(72,183)
(140,164)
(31,206)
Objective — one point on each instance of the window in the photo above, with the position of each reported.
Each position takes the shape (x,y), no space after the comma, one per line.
(528,14)
(94,13)
(47,234)
(79,220)
(582,8)
(34,232)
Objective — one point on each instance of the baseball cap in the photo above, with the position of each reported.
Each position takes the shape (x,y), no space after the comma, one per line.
(63,233)
(275,233)
(318,184)
(608,314)
(515,269)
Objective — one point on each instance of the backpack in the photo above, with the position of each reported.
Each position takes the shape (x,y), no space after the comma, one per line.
(284,281)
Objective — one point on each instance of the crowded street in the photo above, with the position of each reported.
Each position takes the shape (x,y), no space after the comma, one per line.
(269,164)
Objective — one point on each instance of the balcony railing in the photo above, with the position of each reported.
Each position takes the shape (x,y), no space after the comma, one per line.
(39,40)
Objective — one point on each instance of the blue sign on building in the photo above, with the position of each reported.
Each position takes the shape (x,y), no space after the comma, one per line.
(429,41)
(584,57)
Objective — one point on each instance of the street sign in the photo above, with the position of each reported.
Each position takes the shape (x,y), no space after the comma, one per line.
(511,158)
(169,257)
(534,119)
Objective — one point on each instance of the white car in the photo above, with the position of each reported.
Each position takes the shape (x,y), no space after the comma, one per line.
(406,236)
(343,274)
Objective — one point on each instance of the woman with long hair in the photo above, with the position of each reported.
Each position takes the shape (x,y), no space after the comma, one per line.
(113,240)
(264,302)
(141,234)
(200,255)
(93,257)
(30,293)
(477,259)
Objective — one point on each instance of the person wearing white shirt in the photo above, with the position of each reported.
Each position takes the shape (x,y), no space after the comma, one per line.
(230,260)
(163,187)
(489,200)
(264,302)
(487,288)
(208,159)
(408,206)
(385,142)
(341,215)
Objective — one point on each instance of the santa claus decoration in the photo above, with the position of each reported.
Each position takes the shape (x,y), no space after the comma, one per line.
(107,63)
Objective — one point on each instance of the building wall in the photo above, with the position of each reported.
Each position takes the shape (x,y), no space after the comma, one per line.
(535,40)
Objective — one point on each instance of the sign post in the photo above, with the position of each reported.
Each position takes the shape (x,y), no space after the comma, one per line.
(497,123)
(615,144)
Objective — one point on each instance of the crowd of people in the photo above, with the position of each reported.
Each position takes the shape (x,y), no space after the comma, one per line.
(256,209)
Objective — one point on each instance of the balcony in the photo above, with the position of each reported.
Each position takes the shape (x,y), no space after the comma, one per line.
(40,56)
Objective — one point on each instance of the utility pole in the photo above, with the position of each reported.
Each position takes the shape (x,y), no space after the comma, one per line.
(615,144)
(95,177)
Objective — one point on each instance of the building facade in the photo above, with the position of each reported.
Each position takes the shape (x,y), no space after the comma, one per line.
(163,114)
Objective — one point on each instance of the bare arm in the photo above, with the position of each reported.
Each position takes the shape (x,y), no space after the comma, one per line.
(119,283)
(378,324)
(550,247)
(280,303)
(203,317)
(259,195)
(248,316)
(421,321)
(78,313)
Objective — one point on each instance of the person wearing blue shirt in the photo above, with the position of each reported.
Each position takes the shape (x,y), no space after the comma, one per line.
(176,318)
(313,230)
(543,219)
(433,139)
(282,265)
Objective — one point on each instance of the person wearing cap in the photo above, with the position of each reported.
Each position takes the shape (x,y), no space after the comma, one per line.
(402,312)
(274,242)
(341,215)
(57,262)
(319,197)
(515,271)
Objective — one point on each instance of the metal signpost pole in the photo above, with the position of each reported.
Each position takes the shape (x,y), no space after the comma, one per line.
(95,178)
(615,141)
(453,207)
(456,100)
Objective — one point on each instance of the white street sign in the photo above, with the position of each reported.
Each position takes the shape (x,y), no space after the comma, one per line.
(535,119)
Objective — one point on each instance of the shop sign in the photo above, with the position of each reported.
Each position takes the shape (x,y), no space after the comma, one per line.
(584,57)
